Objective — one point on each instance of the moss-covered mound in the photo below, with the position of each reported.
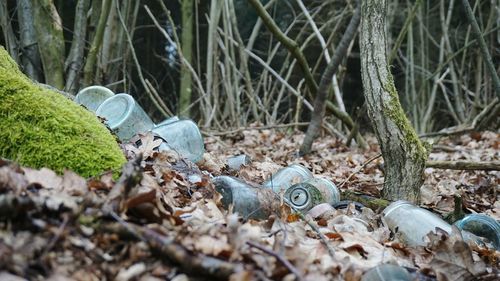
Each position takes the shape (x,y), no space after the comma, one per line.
(41,128)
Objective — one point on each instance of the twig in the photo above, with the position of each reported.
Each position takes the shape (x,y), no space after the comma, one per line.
(283,81)
(138,66)
(360,168)
(280,258)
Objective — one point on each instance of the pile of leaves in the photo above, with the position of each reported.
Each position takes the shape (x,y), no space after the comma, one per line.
(163,220)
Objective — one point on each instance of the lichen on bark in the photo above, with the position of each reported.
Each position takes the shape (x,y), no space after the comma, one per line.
(397,115)
(41,128)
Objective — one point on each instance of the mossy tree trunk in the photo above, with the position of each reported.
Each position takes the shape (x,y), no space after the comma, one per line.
(187,50)
(49,31)
(404,154)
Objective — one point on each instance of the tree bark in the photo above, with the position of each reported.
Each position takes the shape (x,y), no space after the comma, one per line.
(48,27)
(30,57)
(90,64)
(401,148)
(73,64)
(187,47)
(8,33)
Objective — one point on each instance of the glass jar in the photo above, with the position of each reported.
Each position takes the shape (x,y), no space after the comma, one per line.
(411,222)
(248,201)
(287,176)
(168,121)
(182,136)
(124,116)
(304,196)
(92,97)
(483,226)
(387,272)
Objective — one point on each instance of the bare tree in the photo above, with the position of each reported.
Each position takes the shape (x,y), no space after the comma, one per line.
(404,154)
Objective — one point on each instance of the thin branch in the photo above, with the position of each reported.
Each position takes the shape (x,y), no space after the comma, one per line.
(138,66)
(280,258)
(322,94)
(290,44)
(482,44)
(360,168)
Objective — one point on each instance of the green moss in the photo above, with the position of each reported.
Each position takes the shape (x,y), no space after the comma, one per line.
(41,128)
(397,115)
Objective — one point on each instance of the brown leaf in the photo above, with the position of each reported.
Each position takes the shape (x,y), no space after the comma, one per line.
(45,177)
(453,258)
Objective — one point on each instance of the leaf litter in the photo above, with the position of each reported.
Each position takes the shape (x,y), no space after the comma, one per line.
(163,219)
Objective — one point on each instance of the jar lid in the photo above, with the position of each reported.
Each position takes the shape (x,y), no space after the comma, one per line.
(116,109)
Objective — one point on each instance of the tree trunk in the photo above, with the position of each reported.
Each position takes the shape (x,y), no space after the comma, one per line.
(403,153)
(30,57)
(8,33)
(89,69)
(73,64)
(49,32)
(187,46)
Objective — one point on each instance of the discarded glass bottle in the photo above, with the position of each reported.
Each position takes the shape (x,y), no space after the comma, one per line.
(412,224)
(124,116)
(483,226)
(182,136)
(168,121)
(92,97)
(235,162)
(305,195)
(248,201)
(385,272)
(287,176)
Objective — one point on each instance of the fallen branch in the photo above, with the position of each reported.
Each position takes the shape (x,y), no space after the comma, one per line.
(131,177)
(281,259)
(193,263)
(464,165)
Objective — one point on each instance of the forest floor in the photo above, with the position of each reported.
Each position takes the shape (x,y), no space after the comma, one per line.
(163,220)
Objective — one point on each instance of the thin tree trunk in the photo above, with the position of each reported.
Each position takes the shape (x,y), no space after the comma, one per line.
(296,52)
(90,64)
(402,150)
(320,99)
(187,50)
(73,64)
(30,57)
(8,34)
(49,32)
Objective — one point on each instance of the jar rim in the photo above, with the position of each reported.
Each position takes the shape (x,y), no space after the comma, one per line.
(395,205)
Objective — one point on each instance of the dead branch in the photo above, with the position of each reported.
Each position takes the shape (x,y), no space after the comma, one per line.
(131,176)
(167,248)
(322,91)
(280,258)
(464,165)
